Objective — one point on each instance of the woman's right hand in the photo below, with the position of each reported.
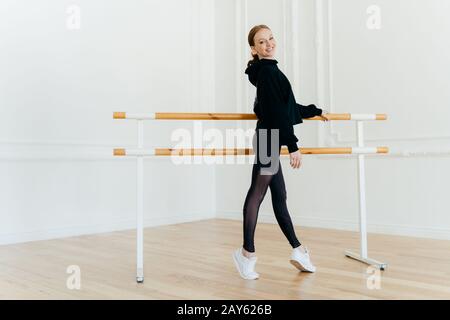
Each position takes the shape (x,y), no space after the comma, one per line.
(295,159)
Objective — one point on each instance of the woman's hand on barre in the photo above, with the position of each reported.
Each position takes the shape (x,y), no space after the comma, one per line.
(324,115)
(295,159)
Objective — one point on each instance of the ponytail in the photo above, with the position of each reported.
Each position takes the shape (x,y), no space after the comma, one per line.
(255,59)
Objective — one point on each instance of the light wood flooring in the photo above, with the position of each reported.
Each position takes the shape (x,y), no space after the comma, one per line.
(193,261)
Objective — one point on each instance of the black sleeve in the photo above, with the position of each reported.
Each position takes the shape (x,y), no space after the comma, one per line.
(309,111)
(274,107)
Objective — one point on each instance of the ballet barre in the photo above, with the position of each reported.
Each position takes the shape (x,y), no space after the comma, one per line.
(140,153)
(245,151)
(233,116)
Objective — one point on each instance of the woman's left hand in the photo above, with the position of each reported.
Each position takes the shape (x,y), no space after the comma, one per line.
(324,115)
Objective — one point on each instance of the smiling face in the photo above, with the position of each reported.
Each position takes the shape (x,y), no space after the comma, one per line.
(265,44)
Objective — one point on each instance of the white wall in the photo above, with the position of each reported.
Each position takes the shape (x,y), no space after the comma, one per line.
(400,69)
(59,87)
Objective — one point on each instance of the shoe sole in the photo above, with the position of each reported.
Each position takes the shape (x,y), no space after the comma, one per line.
(236,263)
(299,266)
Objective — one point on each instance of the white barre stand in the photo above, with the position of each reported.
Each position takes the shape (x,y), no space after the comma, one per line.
(140,153)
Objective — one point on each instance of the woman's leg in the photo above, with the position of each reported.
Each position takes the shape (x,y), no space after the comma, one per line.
(279,196)
(253,200)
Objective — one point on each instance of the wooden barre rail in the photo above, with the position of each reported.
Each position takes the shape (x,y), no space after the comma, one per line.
(140,152)
(242,151)
(234,116)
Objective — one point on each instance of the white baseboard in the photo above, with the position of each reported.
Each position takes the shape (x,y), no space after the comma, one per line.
(265,217)
(349,225)
(120,225)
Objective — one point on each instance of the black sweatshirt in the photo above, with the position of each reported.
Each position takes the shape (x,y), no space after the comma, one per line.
(275,104)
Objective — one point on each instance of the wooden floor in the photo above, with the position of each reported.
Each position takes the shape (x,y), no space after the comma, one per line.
(193,261)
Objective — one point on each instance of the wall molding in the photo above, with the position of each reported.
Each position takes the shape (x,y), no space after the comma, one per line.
(327,132)
(195,56)
(66,150)
(284,6)
(412,138)
(202,49)
(242,56)
(294,8)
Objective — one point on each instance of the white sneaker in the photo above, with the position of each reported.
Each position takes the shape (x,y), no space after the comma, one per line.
(245,266)
(301,260)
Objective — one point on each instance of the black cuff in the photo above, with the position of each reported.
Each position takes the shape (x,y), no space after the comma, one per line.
(292,147)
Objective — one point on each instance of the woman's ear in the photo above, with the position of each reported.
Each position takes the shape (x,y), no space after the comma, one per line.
(253,50)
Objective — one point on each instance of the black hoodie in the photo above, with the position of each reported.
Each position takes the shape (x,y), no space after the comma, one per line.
(275,104)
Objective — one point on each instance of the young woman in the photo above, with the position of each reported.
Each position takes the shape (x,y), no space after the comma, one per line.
(277,112)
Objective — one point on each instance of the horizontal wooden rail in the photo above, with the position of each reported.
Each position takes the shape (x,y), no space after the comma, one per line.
(242,151)
(234,116)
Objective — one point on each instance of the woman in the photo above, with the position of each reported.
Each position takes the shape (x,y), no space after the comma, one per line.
(277,112)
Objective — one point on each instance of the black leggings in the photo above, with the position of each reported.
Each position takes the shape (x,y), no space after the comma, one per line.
(255,196)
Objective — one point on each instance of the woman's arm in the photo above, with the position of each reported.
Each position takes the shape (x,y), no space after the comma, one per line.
(274,108)
(309,111)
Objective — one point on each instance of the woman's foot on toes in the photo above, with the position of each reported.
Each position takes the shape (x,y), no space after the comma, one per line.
(301,260)
(245,266)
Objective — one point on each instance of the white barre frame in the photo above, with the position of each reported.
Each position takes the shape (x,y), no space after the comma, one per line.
(360,150)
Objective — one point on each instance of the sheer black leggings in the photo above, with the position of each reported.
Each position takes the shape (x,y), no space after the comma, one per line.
(258,188)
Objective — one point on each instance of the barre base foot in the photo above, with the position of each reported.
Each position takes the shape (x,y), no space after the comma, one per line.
(380,265)
(140,276)
(140,279)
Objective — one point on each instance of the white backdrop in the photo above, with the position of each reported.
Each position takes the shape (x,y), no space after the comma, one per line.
(59,86)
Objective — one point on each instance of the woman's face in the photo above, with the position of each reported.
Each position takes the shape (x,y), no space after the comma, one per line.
(265,44)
